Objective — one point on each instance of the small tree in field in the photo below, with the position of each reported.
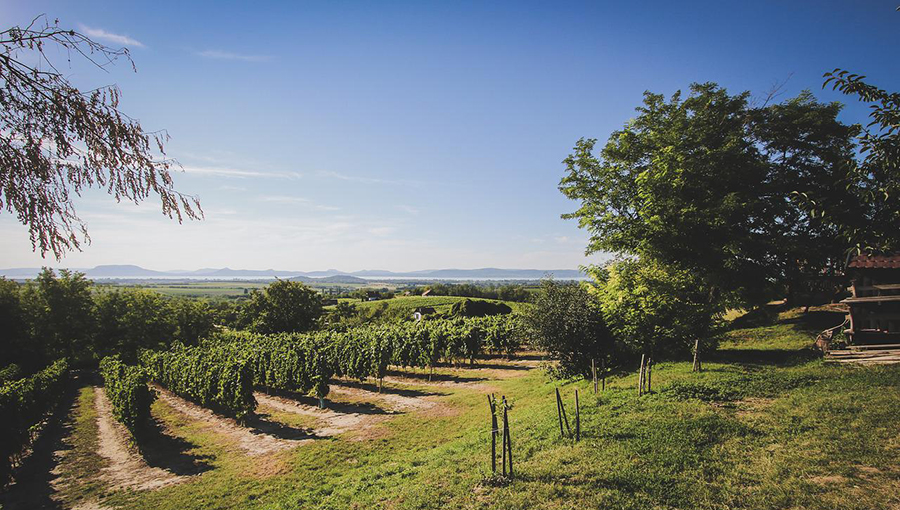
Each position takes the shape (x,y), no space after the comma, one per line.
(283,307)
(656,309)
(565,321)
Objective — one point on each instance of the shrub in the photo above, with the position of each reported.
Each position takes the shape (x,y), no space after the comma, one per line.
(478,308)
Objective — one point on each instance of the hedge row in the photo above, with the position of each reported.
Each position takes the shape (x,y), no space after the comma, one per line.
(24,404)
(127,390)
(212,376)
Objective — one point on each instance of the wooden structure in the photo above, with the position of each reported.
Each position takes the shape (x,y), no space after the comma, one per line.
(875,301)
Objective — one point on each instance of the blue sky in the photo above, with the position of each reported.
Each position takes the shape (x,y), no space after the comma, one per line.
(414,135)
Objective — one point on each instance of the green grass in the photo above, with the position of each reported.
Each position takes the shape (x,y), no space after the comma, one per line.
(766,425)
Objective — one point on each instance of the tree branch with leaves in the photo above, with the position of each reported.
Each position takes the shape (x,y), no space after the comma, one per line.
(56,141)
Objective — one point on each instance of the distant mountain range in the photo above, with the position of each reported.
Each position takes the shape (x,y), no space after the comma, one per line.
(330,275)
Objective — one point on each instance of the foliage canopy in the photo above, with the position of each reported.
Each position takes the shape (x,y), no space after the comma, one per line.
(706,183)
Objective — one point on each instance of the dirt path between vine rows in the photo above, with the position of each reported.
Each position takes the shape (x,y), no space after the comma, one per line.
(396,402)
(252,440)
(330,422)
(126,469)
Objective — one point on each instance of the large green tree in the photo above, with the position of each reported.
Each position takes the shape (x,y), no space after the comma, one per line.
(707,183)
(59,313)
(873,178)
(283,307)
(129,320)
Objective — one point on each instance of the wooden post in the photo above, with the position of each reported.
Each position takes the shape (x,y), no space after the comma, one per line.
(603,370)
(594,375)
(577,418)
(507,438)
(507,441)
(503,437)
(559,413)
(641,376)
(565,417)
(696,367)
(649,374)
(493,434)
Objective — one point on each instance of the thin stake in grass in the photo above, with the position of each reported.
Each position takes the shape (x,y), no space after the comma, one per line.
(577,418)
(594,374)
(494,431)
(561,411)
(507,441)
(641,375)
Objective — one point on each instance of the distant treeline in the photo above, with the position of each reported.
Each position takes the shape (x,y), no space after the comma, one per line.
(507,292)
(67,316)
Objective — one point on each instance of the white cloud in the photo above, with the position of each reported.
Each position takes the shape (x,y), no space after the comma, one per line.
(408,209)
(236,172)
(382,231)
(365,180)
(283,199)
(103,35)
(226,55)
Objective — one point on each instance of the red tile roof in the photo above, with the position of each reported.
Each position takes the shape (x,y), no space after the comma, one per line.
(876,261)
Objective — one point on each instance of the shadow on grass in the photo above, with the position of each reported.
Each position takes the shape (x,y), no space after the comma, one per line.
(35,478)
(766,315)
(816,321)
(499,366)
(436,377)
(813,321)
(764,357)
(390,390)
(530,357)
(338,407)
(261,424)
(160,448)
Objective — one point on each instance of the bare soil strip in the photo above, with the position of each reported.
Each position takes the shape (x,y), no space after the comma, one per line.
(253,442)
(331,422)
(395,402)
(127,469)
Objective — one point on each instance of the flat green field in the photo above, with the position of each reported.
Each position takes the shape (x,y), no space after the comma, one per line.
(766,425)
(409,303)
(219,289)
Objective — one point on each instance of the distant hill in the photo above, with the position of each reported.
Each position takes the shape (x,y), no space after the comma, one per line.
(340,278)
(328,276)
(117,271)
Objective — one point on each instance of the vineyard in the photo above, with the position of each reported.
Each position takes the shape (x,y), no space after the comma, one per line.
(224,370)
(236,424)
(127,390)
(24,405)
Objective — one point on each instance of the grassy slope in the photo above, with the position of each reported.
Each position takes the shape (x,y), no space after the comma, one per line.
(775,428)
